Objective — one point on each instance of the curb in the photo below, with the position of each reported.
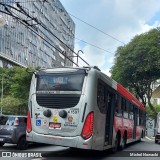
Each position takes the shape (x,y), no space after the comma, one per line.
(149,138)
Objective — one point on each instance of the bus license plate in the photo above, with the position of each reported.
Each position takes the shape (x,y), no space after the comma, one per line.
(54,125)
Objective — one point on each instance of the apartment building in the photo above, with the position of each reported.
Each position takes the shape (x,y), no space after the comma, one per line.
(23,47)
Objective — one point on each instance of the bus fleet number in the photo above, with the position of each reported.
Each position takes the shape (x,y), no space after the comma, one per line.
(74,111)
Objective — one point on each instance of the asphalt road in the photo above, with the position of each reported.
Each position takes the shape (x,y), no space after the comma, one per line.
(65,153)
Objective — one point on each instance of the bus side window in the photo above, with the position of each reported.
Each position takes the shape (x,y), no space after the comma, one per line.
(141,117)
(124,107)
(137,116)
(101,97)
(118,109)
(127,109)
(131,112)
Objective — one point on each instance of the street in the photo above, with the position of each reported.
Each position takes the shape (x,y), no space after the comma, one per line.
(65,153)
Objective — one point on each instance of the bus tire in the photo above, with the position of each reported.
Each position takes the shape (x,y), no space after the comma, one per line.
(124,139)
(116,146)
(22,143)
(140,139)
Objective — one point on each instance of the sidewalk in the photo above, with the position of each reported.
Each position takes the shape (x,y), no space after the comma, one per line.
(151,138)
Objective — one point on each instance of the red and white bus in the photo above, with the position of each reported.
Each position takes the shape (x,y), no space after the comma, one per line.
(82,108)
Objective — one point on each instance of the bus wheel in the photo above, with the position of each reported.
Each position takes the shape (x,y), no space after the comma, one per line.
(22,143)
(123,144)
(140,139)
(116,145)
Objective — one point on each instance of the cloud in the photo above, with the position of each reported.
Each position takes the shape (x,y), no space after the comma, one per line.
(122,19)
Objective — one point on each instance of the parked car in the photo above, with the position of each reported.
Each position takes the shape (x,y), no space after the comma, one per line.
(13,130)
(157,136)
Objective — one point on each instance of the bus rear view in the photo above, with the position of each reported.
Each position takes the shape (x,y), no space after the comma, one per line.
(82,108)
(57,106)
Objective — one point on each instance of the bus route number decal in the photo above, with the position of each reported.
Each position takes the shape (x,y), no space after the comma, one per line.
(74,111)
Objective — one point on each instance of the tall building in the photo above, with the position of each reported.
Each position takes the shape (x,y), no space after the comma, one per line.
(21,46)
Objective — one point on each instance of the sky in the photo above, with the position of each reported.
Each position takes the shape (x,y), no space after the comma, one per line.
(120,19)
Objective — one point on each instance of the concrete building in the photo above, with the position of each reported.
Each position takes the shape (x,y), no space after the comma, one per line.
(21,46)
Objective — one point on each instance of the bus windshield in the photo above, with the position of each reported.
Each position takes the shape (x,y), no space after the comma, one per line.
(60,82)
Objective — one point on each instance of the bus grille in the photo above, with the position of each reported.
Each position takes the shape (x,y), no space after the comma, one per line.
(57,101)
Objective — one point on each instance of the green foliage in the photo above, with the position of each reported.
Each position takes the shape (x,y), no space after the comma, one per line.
(137,65)
(14,106)
(150,112)
(20,85)
(16,85)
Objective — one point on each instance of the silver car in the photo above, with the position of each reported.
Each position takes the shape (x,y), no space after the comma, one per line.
(13,130)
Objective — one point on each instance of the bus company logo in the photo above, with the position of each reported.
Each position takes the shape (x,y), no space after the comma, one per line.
(6,154)
(70,119)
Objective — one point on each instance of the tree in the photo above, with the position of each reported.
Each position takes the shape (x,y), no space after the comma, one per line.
(137,65)
(150,112)
(16,90)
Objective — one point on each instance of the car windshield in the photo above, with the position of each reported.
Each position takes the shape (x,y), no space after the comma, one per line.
(4,120)
(60,82)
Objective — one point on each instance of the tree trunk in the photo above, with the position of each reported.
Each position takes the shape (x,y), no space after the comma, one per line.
(152,108)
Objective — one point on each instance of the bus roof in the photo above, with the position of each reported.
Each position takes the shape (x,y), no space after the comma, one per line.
(124,92)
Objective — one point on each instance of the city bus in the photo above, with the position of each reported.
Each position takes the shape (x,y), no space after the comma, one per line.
(157,135)
(81,107)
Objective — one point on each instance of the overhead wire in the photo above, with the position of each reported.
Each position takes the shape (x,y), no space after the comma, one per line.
(29,27)
(42,25)
(24,21)
(91,25)
(96,28)
(85,42)
(88,25)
